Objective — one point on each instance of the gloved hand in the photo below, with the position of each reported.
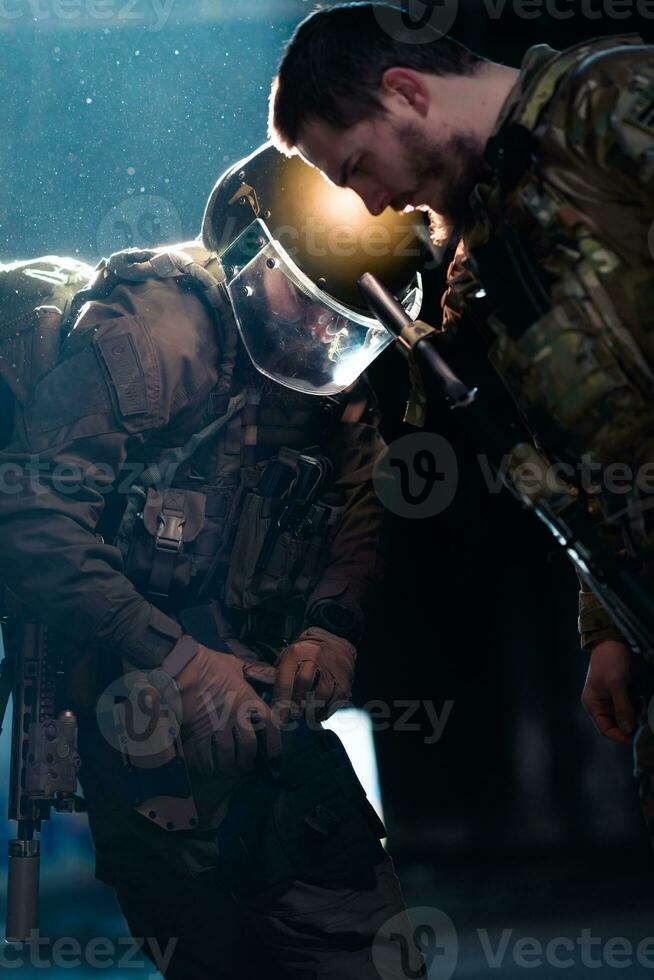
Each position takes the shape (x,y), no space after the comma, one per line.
(318,666)
(222,713)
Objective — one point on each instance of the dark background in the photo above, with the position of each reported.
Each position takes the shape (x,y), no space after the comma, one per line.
(521,813)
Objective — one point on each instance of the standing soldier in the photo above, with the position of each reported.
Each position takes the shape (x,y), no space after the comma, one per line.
(184,523)
(546,175)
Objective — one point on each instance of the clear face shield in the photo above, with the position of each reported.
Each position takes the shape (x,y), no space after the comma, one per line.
(295,333)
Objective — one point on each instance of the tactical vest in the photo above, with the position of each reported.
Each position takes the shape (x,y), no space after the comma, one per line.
(238,514)
(571,305)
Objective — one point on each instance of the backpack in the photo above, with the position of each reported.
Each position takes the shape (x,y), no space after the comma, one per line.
(35,304)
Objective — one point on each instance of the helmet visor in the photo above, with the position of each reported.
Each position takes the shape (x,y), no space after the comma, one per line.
(297,334)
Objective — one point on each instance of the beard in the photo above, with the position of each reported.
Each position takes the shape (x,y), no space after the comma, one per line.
(458,165)
(272,392)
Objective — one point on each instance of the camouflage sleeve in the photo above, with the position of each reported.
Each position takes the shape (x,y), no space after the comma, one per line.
(610,130)
(595,623)
(356,560)
(123,376)
(609,125)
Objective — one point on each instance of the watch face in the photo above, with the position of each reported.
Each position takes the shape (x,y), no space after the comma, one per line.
(335,618)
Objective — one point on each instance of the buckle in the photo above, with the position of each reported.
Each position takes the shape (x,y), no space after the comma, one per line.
(169,535)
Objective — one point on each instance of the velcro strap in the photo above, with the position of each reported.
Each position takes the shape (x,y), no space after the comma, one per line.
(164,266)
(124,366)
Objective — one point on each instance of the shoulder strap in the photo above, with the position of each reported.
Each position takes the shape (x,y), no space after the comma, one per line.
(164,471)
(189,259)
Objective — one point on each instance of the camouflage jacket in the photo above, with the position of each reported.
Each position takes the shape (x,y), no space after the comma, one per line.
(561,251)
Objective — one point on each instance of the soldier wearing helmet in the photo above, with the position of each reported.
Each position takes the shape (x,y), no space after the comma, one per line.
(203,531)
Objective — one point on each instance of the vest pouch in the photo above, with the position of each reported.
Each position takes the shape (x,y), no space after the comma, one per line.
(210,549)
(263,560)
(160,557)
(279,551)
(561,369)
(283,533)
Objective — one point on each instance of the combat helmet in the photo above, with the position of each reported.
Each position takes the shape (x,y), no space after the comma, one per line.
(293,246)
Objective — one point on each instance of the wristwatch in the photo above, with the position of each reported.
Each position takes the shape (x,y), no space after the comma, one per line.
(335,618)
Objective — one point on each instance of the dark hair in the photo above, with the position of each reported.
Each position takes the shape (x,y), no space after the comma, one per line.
(333,66)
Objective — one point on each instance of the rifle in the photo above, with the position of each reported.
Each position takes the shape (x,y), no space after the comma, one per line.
(614,579)
(44,758)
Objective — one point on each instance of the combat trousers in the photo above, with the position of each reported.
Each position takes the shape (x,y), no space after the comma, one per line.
(203,907)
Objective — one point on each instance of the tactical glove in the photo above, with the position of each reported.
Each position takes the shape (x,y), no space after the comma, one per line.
(316,669)
(222,713)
